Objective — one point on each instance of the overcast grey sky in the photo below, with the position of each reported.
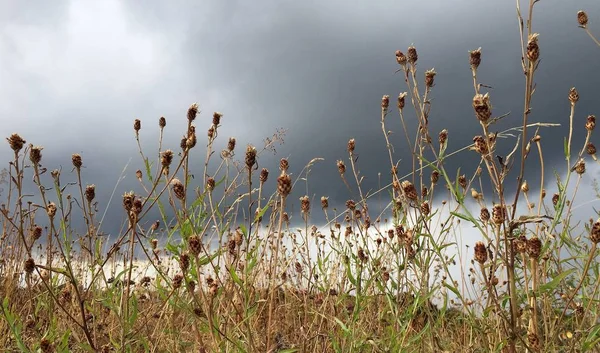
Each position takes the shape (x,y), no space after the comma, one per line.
(74,75)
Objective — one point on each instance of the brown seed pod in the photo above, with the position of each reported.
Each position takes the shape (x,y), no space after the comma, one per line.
(400,58)
(573,96)
(411,55)
(195,244)
(284,165)
(324,202)
(77,161)
(533,50)
(484,214)
(595,232)
(401,100)
(250,158)
(192,112)
(481,254)
(385,102)
(166,158)
(29,266)
(590,149)
(482,107)
(16,142)
(351,146)
(284,185)
(217,118)
(178,189)
(35,154)
(435,176)
(305,204)
(264,175)
(498,214)
(341,167)
(409,189)
(590,124)
(430,77)
(475,58)
(534,247)
(582,18)
(162,122)
(90,192)
(137,125)
(480,145)
(443,137)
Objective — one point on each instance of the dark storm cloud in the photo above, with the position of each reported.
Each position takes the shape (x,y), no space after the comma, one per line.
(75,81)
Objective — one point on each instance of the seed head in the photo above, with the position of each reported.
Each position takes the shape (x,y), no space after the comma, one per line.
(429,77)
(534,247)
(128,199)
(482,107)
(166,158)
(595,232)
(435,176)
(582,18)
(138,174)
(16,142)
(580,167)
(90,192)
(533,50)
(401,100)
(521,244)
(573,96)
(154,243)
(443,137)
(77,162)
(177,280)
(351,205)
(284,165)
(51,209)
(385,103)
(217,118)
(250,157)
(481,254)
(178,189)
(264,175)
(195,244)
(498,214)
(351,146)
(590,149)
(425,208)
(284,185)
(341,167)
(555,199)
(210,184)
(231,144)
(305,204)
(484,214)
(36,233)
(137,206)
(35,154)
(411,55)
(162,122)
(192,112)
(184,262)
(46,346)
(29,266)
(480,145)
(137,125)
(475,58)
(409,190)
(525,187)
(324,202)
(462,181)
(400,58)
(590,123)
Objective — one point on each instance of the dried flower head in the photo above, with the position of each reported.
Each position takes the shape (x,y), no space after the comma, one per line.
(77,161)
(401,100)
(341,167)
(462,181)
(128,199)
(590,149)
(582,18)
(284,165)
(195,244)
(425,208)
(231,144)
(177,281)
(210,184)
(137,125)
(480,145)
(429,77)
(351,145)
(443,137)
(178,188)
(264,175)
(35,154)
(400,58)
(475,58)
(579,167)
(411,55)
(498,214)
(284,185)
(192,112)
(324,202)
(154,243)
(184,262)
(351,205)
(533,50)
(435,176)
(46,346)
(305,204)
(482,107)
(555,199)
(385,103)
(16,142)
(162,122)
(166,158)
(590,124)
(525,187)
(595,232)
(90,192)
(36,233)
(484,214)
(217,118)
(51,209)
(29,266)
(250,157)
(481,254)
(573,96)
(409,190)
(534,247)
(138,174)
